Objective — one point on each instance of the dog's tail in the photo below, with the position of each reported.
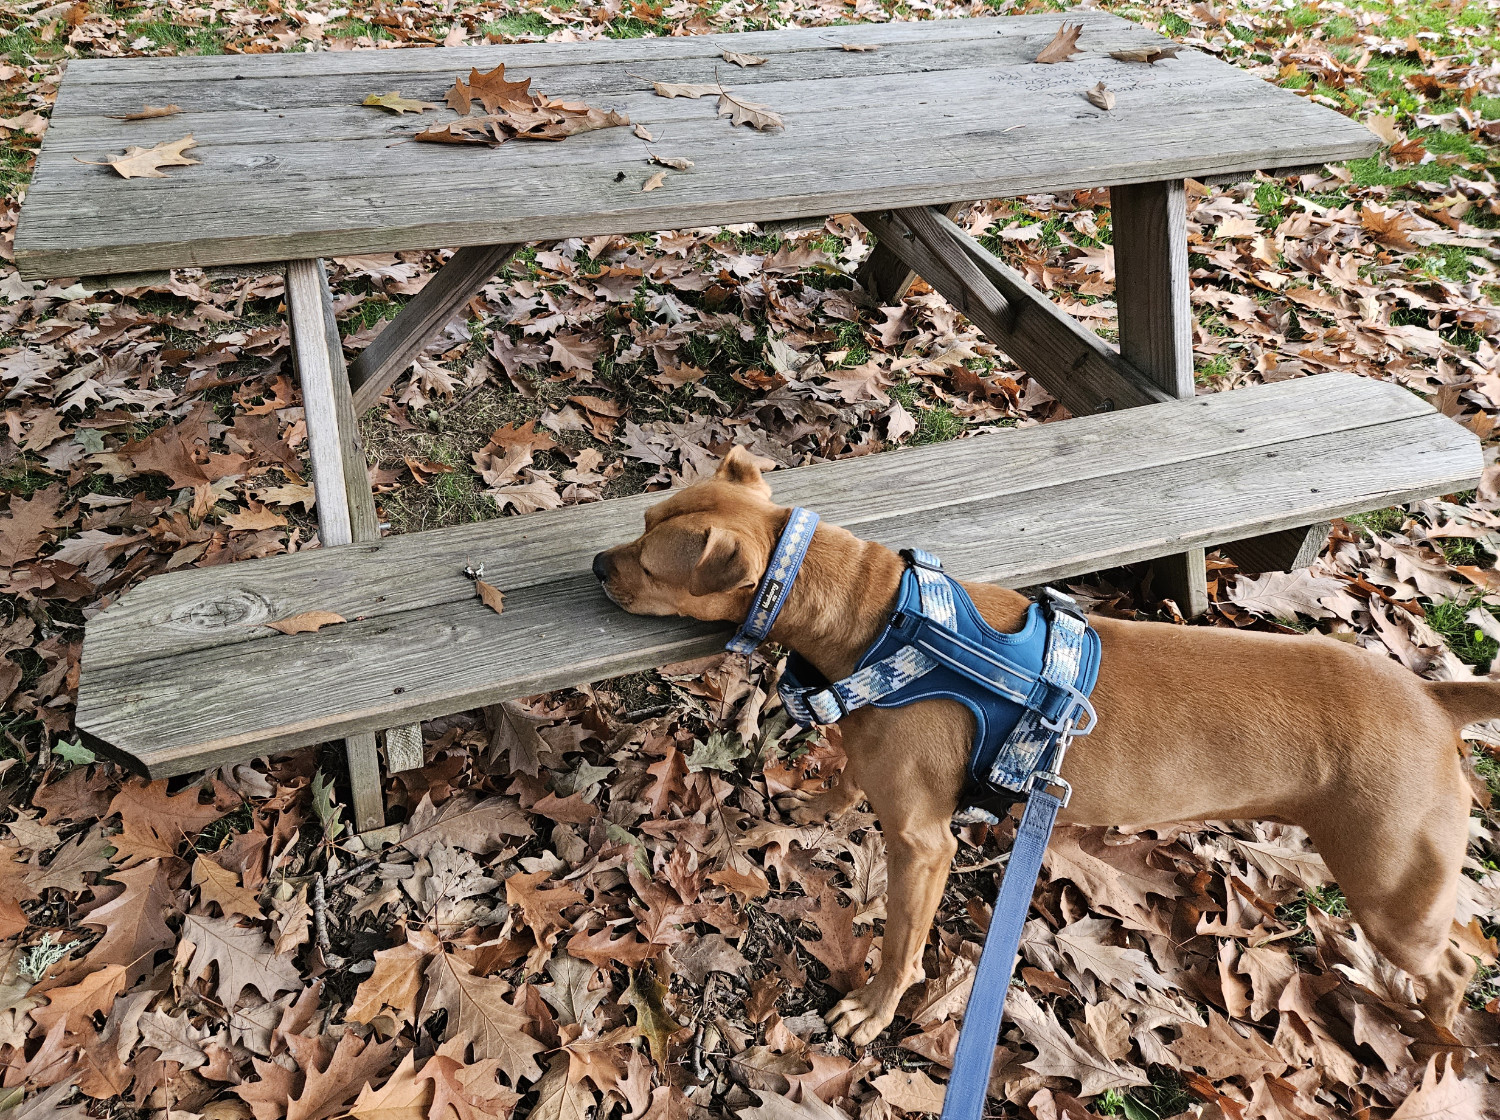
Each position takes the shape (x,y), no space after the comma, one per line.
(1467,702)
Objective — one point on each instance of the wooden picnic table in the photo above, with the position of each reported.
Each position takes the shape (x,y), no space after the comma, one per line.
(294,169)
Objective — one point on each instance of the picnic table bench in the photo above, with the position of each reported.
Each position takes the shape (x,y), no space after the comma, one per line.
(181,673)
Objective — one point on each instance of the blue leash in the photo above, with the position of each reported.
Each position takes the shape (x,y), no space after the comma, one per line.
(969,1083)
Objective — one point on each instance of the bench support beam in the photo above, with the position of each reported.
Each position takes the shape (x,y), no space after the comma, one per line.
(345,504)
(1074,364)
(885,275)
(1156,329)
(1285,551)
(430,310)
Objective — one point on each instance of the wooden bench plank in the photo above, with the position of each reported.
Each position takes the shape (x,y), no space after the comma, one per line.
(442,650)
(293,166)
(178,613)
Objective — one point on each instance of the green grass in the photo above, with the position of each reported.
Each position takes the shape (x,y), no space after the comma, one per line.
(1379,520)
(1468,643)
(936,423)
(528,23)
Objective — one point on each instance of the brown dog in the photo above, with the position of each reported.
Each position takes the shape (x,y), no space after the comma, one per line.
(1345,743)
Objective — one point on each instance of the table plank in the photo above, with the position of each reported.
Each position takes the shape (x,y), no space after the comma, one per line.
(293,166)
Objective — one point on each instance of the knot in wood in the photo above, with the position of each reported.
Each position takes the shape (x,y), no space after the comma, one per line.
(223,610)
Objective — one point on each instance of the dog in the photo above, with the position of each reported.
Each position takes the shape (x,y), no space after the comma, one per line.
(1195,724)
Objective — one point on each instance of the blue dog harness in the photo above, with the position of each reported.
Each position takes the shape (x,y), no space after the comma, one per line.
(1029,694)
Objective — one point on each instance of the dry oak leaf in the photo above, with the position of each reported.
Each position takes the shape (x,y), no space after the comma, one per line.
(1152,55)
(490,595)
(1447,1097)
(402,1097)
(492,90)
(686,89)
(217,883)
(774,1106)
(1058,1055)
(677,163)
(742,59)
(467,1092)
(541,910)
(598,949)
(476,824)
(647,995)
(1286,594)
(349,1070)
(134,924)
(655,181)
(760,117)
(145,163)
(559,1097)
(30,524)
(148,112)
(1100,97)
(392,987)
(1221,1052)
(839,949)
(1085,944)
(243,956)
(85,855)
(910,1090)
(156,823)
(76,1005)
(1064,44)
(308,622)
(396,103)
(859,48)
(477,1010)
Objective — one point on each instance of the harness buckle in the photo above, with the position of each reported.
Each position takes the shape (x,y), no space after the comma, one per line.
(917,558)
(1055,602)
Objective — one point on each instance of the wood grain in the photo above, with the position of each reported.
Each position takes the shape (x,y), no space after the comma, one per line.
(1021,508)
(293,166)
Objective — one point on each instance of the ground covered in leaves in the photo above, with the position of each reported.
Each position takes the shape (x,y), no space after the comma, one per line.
(588,903)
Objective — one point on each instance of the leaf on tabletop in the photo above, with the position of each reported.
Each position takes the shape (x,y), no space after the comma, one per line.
(676,163)
(148,112)
(654,181)
(1152,55)
(308,622)
(742,59)
(858,48)
(760,117)
(686,89)
(492,90)
(146,163)
(490,595)
(396,103)
(1064,44)
(1100,96)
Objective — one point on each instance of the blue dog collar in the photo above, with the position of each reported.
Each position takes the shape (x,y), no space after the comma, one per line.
(776,584)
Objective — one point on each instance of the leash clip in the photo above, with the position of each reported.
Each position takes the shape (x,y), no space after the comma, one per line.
(1066,725)
(1042,779)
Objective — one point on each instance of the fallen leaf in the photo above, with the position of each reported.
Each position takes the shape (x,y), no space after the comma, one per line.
(760,117)
(145,163)
(743,59)
(1146,54)
(149,112)
(1064,44)
(859,48)
(675,162)
(1101,97)
(910,1090)
(655,181)
(490,595)
(686,89)
(655,1023)
(307,622)
(396,103)
(643,133)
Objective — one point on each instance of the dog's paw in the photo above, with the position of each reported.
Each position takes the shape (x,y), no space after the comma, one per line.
(862,1015)
(806,808)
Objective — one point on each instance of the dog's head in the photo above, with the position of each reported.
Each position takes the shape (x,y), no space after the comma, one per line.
(703,551)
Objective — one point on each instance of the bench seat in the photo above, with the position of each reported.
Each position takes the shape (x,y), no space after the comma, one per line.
(181,673)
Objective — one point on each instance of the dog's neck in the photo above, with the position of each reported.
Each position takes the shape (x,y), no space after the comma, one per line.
(840,600)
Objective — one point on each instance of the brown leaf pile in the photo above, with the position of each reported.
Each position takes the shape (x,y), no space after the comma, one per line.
(512,111)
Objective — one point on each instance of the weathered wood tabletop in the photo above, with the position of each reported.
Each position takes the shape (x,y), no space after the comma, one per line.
(294,167)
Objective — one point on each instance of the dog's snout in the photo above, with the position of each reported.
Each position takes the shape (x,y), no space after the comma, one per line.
(601,567)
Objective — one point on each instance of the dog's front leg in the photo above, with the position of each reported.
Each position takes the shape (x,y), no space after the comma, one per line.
(914,800)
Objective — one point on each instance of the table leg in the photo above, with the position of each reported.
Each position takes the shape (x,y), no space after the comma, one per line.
(884,274)
(1156,328)
(345,504)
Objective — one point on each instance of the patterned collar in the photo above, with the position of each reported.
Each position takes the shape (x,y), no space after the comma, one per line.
(776,584)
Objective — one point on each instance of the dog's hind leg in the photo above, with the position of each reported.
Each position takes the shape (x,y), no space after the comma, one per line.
(1399,869)
(915,807)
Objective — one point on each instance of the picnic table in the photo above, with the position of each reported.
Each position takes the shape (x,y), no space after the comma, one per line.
(889,122)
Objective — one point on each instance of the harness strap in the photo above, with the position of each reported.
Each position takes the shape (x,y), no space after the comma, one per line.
(969,1082)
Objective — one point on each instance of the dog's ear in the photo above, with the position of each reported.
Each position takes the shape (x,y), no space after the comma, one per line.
(739,467)
(722,565)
